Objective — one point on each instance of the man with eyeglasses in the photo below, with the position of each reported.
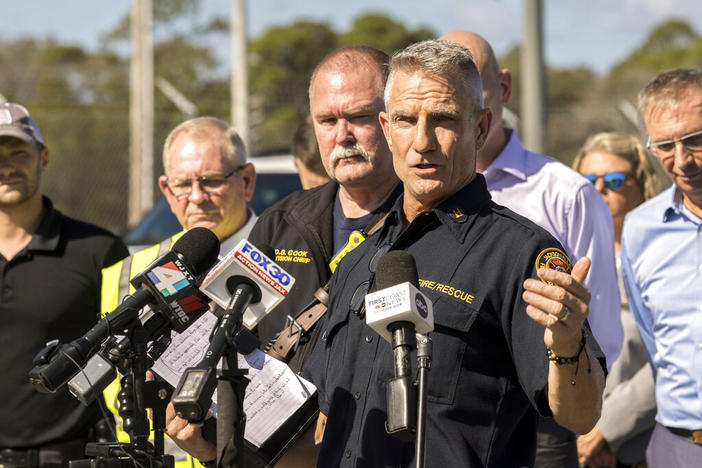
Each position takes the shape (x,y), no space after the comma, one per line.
(559,200)
(207,183)
(661,258)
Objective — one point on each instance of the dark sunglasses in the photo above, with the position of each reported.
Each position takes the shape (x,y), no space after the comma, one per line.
(612,180)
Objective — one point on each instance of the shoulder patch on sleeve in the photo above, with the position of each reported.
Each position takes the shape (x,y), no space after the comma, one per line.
(554,259)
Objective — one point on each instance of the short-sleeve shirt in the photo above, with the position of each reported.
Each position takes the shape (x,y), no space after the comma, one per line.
(50,290)
(489,366)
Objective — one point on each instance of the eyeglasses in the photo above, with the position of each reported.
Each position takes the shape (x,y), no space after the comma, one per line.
(211,184)
(612,180)
(692,141)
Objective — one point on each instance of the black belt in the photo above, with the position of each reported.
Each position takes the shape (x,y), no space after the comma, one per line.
(57,454)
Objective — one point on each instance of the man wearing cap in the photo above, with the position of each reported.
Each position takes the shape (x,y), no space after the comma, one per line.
(49,289)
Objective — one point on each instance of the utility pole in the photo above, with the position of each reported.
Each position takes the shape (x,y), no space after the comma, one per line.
(532,99)
(141,112)
(239,76)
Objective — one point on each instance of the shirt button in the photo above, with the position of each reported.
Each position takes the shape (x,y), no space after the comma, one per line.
(347,454)
(369,339)
(357,395)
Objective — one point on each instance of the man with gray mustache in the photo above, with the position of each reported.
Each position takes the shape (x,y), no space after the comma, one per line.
(341,152)
(310,229)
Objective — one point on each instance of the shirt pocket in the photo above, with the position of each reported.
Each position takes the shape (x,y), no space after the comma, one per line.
(452,321)
(337,327)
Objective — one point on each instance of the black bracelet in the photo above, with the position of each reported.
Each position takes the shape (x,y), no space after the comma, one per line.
(560,360)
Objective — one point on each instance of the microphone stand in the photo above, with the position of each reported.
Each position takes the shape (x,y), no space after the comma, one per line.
(193,395)
(424,352)
(400,392)
(135,396)
(231,387)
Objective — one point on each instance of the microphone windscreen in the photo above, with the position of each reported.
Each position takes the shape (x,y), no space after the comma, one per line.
(199,248)
(396,267)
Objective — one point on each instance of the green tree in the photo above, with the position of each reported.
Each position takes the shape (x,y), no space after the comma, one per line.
(78,101)
(382,32)
(281,62)
(672,44)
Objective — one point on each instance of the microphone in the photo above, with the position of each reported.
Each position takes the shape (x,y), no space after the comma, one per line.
(172,281)
(247,263)
(169,285)
(397,298)
(100,369)
(191,399)
(247,285)
(396,311)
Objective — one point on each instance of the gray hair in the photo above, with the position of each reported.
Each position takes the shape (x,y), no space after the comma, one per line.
(208,128)
(668,89)
(438,58)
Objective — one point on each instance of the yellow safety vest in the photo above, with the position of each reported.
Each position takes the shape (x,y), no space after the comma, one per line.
(115,286)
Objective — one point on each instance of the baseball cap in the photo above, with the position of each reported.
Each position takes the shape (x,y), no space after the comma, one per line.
(16,121)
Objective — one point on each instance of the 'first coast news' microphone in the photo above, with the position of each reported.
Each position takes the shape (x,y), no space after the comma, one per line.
(168,285)
(396,311)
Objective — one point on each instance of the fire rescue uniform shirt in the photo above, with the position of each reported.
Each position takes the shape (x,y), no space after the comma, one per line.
(489,366)
(50,290)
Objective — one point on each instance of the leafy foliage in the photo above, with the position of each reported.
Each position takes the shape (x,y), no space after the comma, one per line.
(81,99)
(381,32)
(282,60)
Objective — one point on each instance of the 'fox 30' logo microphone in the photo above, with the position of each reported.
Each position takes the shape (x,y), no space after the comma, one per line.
(248,261)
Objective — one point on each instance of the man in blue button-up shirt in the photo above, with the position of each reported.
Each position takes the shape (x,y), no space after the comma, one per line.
(662,266)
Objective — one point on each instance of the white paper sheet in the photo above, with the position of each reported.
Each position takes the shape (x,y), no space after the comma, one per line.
(273,394)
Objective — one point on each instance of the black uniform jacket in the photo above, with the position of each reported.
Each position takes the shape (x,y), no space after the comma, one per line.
(489,366)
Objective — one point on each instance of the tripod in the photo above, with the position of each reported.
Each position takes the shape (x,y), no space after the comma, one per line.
(135,397)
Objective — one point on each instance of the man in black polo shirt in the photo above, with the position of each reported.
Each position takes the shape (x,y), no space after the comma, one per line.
(49,288)
(494,323)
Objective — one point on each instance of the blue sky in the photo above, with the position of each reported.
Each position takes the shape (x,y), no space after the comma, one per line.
(596,33)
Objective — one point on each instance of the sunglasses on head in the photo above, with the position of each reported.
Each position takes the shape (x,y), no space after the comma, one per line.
(612,180)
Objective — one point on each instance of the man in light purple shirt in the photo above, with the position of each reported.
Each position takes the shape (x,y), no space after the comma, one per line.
(559,200)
